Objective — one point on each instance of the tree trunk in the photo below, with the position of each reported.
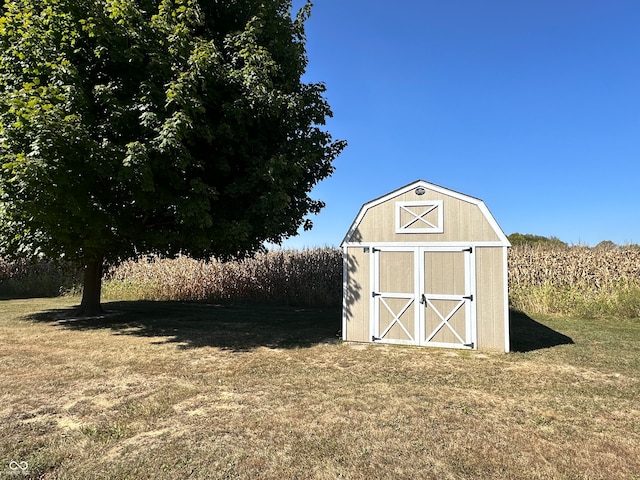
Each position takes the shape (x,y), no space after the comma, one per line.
(92,286)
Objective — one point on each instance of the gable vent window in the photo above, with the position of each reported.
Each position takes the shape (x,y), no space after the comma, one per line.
(419,217)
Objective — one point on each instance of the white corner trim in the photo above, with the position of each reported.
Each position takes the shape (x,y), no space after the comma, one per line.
(345,292)
(505,273)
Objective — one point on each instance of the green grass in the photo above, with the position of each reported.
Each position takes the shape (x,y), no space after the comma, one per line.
(622,301)
(190,390)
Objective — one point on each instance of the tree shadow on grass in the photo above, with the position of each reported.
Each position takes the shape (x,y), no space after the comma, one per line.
(194,325)
(528,335)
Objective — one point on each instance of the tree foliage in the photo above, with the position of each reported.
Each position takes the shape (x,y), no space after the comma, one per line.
(607,245)
(536,240)
(156,126)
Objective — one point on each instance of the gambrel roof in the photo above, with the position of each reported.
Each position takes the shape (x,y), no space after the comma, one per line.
(422,211)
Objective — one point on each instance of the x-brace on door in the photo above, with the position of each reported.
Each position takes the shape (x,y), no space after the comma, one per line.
(395,281)
(447,288)
(423,296)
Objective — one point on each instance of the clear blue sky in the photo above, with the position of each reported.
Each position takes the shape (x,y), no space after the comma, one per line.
(532,106)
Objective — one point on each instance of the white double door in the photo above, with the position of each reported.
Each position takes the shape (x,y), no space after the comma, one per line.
(423,296)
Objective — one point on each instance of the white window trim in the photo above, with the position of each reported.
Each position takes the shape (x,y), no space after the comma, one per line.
(430,206)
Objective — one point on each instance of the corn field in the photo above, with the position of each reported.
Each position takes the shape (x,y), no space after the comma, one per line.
(568,281)
(36,278)
(576,280)
(590,269)
(296,277)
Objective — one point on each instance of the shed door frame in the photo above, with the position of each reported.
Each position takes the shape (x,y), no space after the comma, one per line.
(419,300)
(408,299)
(462,301)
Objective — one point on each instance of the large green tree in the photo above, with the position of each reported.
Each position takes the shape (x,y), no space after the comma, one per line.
(155,126)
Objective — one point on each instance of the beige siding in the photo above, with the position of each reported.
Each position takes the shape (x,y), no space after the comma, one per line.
(462,222)
(396,272)
(444,273)
(490,298)
(357,295)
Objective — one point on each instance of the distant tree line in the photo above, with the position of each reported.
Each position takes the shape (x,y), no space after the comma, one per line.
(528,239)
(518,239)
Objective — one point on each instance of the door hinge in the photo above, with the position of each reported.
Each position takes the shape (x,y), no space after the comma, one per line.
(470,345)
(374,338)
(375,294)
(469,297)
(470,250)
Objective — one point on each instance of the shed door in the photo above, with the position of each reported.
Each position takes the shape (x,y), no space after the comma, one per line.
(395,282)
(447,318)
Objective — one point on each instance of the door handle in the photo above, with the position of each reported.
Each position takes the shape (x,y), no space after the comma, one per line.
(423,299)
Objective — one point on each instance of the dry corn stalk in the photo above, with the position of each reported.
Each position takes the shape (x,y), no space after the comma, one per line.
(310,277)
(314,277)
(583,268)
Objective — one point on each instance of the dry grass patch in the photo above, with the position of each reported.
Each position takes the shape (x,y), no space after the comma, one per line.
(162,390)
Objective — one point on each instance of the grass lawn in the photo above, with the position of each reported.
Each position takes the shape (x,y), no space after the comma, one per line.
(185,390)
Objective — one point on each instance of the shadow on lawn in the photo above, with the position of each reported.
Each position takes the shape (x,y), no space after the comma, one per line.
(528,335)
(245,327)
(194,325)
